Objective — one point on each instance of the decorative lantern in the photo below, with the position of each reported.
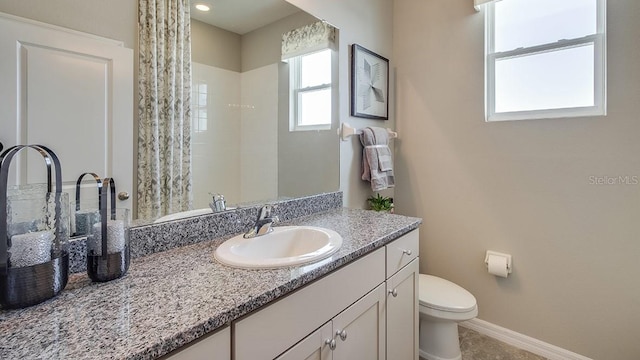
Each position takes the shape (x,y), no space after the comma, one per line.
(34,236)
(83,218)
(108,252)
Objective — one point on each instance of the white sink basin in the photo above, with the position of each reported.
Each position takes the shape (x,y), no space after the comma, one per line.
(183,214)
(186,214)
(285,246)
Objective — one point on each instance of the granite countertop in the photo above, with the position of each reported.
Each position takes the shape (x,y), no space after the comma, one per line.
(170,298)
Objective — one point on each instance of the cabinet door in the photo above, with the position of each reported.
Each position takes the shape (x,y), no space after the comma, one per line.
(213,347)
(362,326)
(313,347)
(402,313)
(269,332)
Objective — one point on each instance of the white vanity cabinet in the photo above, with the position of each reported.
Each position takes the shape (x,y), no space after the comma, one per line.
(269,332)
(355,333)
(313,347)
(402,297)
(359,331)
(367,309)
(216,346)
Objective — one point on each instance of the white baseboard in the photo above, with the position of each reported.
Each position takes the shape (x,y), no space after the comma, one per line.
(521,341)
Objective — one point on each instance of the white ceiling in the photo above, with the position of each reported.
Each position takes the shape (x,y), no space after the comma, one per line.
(242,16)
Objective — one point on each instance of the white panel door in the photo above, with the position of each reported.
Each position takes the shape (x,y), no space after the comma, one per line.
(72,92)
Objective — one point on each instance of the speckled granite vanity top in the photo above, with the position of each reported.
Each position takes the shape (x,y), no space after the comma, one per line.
(172,297)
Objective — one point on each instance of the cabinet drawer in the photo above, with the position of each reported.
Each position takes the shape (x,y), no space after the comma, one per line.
(268,332)
(216,346)
(400,252)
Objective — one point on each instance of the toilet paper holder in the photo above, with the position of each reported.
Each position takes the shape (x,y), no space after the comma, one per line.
(495,253)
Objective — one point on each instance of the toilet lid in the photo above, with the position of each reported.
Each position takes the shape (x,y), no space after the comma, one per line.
(441,294)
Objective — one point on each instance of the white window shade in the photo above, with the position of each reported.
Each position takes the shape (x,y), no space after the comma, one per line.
(308,39)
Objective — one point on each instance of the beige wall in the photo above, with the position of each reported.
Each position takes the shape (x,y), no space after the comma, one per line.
(216,47)
(522,187)
(370,24)
(114,19)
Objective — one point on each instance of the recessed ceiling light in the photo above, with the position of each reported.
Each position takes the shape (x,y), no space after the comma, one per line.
(203,7)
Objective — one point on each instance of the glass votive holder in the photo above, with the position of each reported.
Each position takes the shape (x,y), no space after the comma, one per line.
(82,220)
(108,257)
(37,236)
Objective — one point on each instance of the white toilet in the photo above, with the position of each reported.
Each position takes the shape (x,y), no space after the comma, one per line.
(442,305)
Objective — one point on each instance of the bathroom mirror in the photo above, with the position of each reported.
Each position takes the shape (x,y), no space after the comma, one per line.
(241,143)
(242,146)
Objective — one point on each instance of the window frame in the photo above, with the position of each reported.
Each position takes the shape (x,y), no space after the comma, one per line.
(600,82)
(296,92)
(199,124)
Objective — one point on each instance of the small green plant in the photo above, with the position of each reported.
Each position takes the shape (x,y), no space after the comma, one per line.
(380,203)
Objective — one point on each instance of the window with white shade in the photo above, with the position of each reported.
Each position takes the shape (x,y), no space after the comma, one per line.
(310,53)
(311,91)
(545,59)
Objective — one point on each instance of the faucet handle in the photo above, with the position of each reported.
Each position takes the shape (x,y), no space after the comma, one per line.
(265,211)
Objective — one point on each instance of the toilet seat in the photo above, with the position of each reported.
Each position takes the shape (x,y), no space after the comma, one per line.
(443,295)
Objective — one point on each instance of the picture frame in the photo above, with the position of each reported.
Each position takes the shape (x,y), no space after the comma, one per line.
(369,84)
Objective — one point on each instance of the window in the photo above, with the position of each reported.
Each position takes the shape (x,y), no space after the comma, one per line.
(310,77)
(199,106)
(545,59)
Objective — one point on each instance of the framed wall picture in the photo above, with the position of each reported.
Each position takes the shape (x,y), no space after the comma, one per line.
(369,84)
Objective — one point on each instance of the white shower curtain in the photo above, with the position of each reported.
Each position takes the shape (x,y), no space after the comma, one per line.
(164,108)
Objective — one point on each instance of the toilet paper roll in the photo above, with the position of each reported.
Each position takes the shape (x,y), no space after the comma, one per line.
(498,266)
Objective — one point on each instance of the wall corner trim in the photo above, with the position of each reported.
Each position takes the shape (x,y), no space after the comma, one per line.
(521,341)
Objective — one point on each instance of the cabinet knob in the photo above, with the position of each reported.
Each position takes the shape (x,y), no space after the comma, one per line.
(331,343)
(342,334)
(393,292)
(407,252)
(123,195)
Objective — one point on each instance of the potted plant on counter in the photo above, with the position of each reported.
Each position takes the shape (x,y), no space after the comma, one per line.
(381,203)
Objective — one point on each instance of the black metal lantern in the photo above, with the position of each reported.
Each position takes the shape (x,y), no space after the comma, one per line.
(34,236)
(108,253)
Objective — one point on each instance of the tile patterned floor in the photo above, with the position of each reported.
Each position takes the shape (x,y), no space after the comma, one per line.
(475,346)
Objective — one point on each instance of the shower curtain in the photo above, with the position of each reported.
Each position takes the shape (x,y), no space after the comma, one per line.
(164,108)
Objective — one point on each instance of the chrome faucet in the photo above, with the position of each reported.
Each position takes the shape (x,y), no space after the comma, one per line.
(218,204)
(263,224)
